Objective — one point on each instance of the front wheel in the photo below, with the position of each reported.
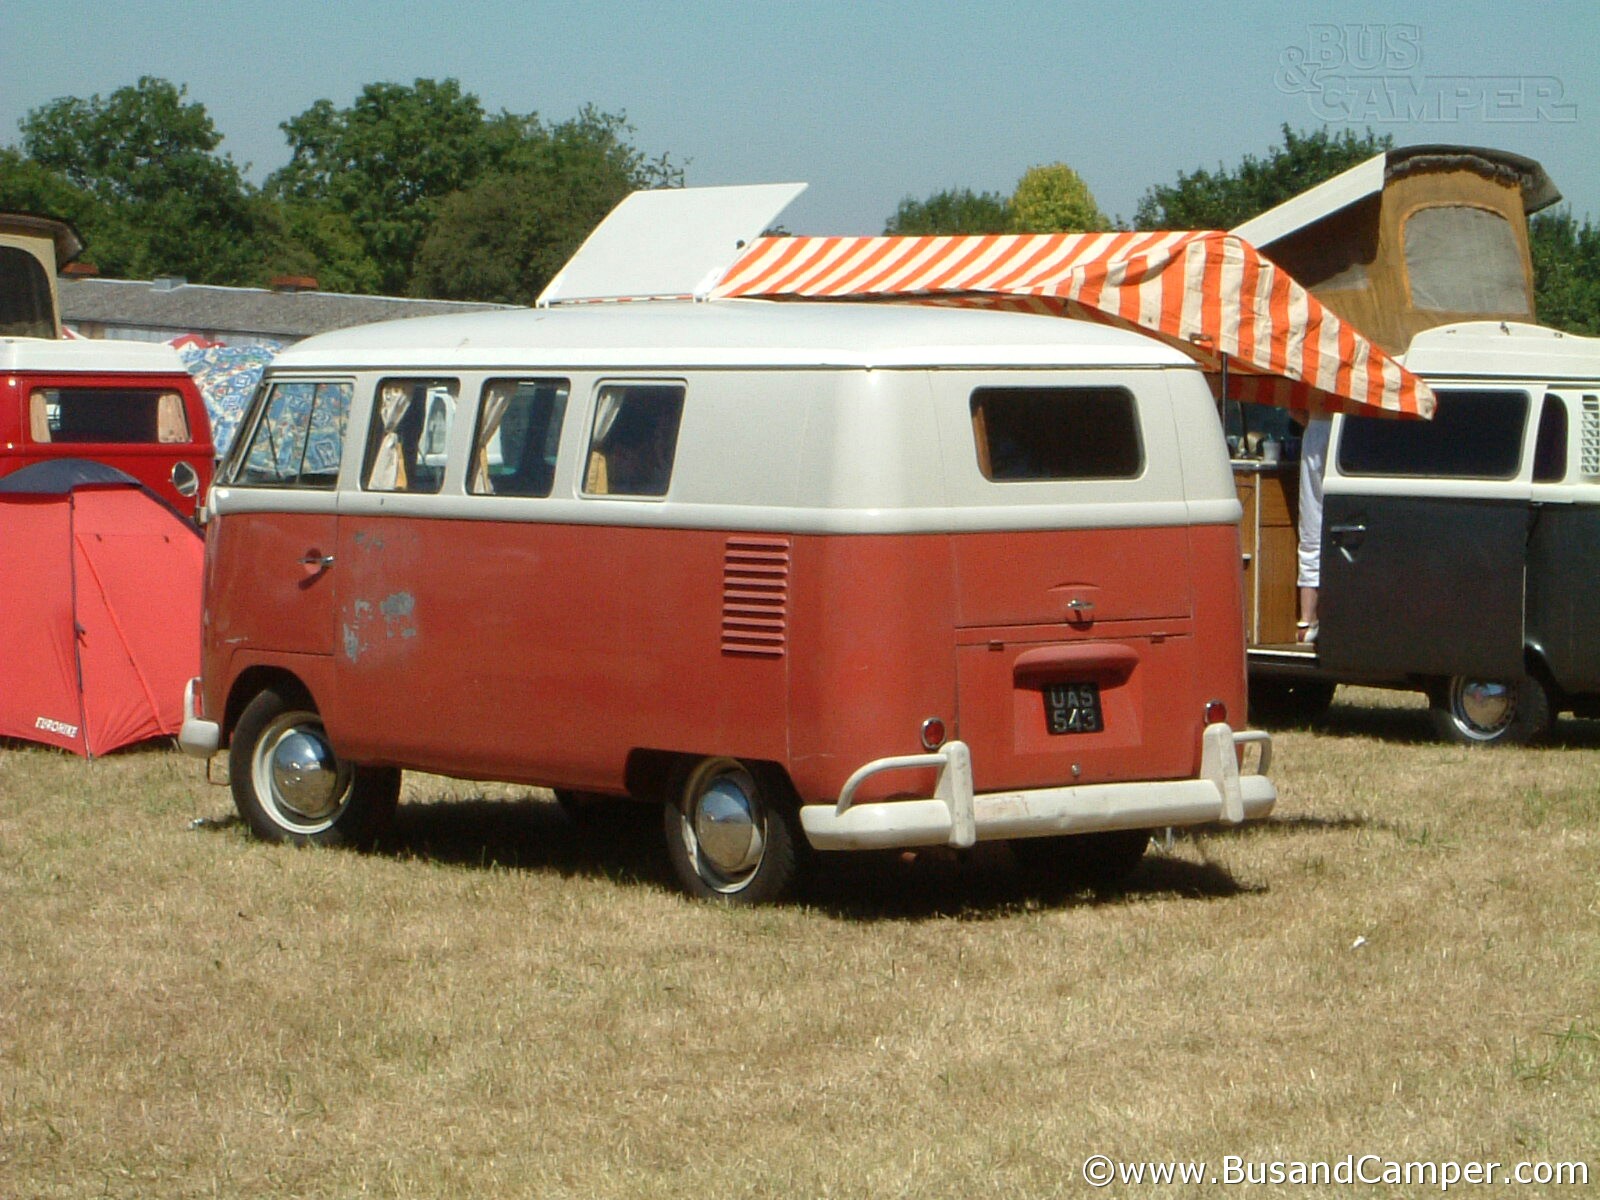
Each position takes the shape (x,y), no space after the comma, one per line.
(1482,712)
(732,832)
(290,786)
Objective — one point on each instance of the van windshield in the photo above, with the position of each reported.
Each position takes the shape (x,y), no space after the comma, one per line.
(1473,435)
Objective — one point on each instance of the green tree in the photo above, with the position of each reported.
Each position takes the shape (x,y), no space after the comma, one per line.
(27,186)
(316,240)
(1054,199)
(1224,198)
(1566,271)
(953,211)
(388,161)
(506,236)
(164,200)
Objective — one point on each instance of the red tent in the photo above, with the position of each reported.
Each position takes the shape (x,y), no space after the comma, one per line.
(99,608)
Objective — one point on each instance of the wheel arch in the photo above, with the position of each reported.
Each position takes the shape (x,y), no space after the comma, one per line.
(1536,661)
(650,773)
(250,683)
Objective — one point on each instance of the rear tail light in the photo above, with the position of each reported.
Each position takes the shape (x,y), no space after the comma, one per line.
(1216,712)
(933,733)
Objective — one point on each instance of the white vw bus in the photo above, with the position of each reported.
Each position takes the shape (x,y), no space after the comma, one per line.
(835,576)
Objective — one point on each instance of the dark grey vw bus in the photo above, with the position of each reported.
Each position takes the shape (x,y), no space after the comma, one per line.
(1460,556)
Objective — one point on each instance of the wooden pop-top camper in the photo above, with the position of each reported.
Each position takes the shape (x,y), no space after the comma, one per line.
(1411,239)
(32,249)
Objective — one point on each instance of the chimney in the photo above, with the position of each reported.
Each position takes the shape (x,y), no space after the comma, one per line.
(80,270)
(294,283)
(167,283)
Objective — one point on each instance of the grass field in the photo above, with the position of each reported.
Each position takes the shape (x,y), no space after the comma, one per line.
(1404,961)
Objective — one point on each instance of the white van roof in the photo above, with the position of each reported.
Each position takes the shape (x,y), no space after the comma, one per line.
(1503,349)
(88,354)
(663,334)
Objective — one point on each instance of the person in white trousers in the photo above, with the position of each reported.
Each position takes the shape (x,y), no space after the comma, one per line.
(1313,461)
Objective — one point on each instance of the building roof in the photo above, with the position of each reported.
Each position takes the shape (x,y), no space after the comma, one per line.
(172,304)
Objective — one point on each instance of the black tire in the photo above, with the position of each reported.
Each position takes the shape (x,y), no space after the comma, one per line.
(289,786)
(1479,712)
(1290,701)
(733,832)
(1102,861)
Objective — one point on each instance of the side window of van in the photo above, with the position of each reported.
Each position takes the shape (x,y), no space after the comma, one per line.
(634,439)
(106,415)
(519,428)
(410,434)
(1550,450)
(1056,433)
(298,437)
(26,306)
(1473,435)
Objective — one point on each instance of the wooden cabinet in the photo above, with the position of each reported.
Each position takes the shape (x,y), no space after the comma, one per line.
(1270,539)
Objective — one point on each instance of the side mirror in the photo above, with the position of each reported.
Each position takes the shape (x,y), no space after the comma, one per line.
(185,479)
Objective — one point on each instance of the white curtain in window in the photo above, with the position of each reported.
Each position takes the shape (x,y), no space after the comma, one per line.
(388,472)
(170,423)
(496,398)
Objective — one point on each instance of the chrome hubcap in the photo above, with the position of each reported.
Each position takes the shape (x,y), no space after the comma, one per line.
(1481,707)
(297,769)
(725,825)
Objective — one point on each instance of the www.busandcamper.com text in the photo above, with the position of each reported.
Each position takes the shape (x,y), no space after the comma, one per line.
(1100,1171)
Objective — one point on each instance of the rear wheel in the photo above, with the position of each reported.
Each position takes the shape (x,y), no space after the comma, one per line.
(1483,712)
(733,832)
(1102,861)
(290,786)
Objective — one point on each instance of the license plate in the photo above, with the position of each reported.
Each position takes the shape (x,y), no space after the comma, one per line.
(1072,708)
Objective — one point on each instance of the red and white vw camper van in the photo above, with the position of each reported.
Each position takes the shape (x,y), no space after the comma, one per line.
(129,404)
(830,575)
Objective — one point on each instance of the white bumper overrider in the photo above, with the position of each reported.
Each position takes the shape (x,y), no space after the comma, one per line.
(955,816)
(198,736)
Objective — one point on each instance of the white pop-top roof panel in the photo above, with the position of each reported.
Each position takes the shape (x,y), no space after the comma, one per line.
(1332,195)
(88,354)
(659,334)
(1505,350)
(670,242)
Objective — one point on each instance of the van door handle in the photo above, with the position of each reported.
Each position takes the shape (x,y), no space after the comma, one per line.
(1347,539)
(320,561)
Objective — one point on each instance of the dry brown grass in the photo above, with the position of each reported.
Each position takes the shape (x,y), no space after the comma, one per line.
(501,1007)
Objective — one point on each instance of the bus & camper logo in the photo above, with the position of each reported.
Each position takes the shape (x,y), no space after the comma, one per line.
(1373,73)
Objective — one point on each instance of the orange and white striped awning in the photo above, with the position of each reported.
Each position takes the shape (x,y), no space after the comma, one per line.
(1210,294)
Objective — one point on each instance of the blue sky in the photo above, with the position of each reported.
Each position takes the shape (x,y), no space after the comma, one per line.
(871,101)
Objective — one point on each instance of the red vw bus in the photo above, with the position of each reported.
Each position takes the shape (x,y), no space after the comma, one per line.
(129,404)
(839,576)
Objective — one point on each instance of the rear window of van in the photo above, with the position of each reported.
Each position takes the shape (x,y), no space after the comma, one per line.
(1056,433)
(107,415)
(1473,435)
